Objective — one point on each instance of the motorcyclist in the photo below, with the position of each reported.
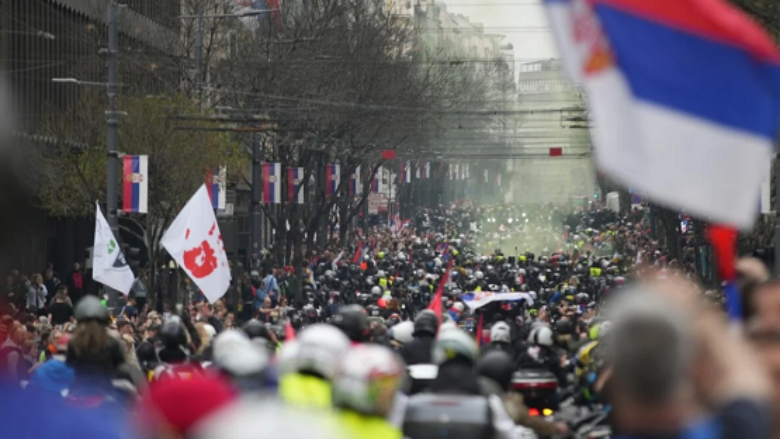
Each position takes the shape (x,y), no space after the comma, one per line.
(309,364)
(419,350)
(240,360)
(541,353)
(501,339)
(176,353)
(427,414)
(495,377)
(95,356)
(259,334)
(352,320)
(364,391)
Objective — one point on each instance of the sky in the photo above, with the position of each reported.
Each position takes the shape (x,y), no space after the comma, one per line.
(519,20)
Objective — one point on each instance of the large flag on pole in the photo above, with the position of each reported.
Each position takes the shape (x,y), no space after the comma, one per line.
(685,98)
(109,266)
(272,183)
(135,177)
(195,243)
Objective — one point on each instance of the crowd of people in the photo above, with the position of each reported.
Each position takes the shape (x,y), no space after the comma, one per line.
(489,322)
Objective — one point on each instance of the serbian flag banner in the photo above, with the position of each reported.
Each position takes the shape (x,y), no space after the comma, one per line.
(332,179)
(216,179)
(686,94)
(418,172)
(457,172)
(427,170)
(294,182)
(355,187)
(451,172)
(272,183)
(135,192)
(408,173)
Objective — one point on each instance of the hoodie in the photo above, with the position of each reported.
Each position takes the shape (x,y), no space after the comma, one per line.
(52,376)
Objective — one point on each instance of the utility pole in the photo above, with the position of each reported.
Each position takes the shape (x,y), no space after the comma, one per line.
(199,56)
(255,215)
(112,128)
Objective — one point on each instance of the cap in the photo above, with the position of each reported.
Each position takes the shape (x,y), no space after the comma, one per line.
(204,396)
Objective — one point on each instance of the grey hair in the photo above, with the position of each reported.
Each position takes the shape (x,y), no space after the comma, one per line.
(650,347)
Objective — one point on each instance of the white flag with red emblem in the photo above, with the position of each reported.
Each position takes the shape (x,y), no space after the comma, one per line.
(195,243)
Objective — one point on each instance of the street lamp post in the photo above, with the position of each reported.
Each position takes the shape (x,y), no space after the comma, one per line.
(112,125)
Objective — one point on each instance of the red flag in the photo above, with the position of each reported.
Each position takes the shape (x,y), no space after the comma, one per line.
(388,154)
(724,240)
(358,253)
(479,329)
(556,152)
(289,332)
(436,303)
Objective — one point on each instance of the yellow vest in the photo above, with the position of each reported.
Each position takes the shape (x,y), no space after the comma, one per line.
(359,426)
(305,391)
(595,272)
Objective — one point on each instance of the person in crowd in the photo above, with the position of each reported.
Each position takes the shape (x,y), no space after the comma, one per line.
(54,375)
(60,312)
(669,354)
(267,311)
(37,295)
(419,351)
(12,366)
(50,280)
(76,284)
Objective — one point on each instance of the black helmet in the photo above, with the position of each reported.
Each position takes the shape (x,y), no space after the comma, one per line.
(497,365)
(426,322)
(564,327)
(353,321)
(173,335)
(254,329)
(90,308)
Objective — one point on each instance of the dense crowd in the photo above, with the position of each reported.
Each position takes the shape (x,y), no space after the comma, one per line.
(469,322)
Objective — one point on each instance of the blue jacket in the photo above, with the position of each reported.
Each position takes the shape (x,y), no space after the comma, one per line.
(52,376)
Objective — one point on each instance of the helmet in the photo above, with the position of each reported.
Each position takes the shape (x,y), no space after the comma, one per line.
(287,360)
(172,333)
(479,275)
(458,306)
(376,290)
(368,380)
(321,347)
(426,322)
(564,327)
(402,332)
(497,365)
(237,355)
(541,336)
(500,332)
(453,344)
(90,308)
(353,321)
(254,329)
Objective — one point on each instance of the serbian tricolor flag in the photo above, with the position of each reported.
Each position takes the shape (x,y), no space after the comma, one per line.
(427,170)
(136,183)
(358,253)
(686,94)
(451,172)
(294,181)
(332,179)
(418,172)
(376,180)
(215,183)
(354,182)
(272,183)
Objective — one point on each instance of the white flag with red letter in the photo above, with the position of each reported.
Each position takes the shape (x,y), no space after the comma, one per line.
(195,243)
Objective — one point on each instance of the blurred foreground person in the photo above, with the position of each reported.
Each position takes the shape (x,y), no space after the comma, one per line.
(364,392)
(309,364)
(240,360)
(54,375)
(674,360)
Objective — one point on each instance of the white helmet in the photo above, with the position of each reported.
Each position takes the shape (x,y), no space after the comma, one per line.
(321,349)
(380,274)
(541,336)
(368,379)
(454,342)
(500,332)
(287,360)
(237,355)
(376,290)
(329,273)
(437,262)
(458,306)
(402,332)
(479,275)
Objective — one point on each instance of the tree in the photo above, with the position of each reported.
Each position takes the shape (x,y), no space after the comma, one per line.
(73,170)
